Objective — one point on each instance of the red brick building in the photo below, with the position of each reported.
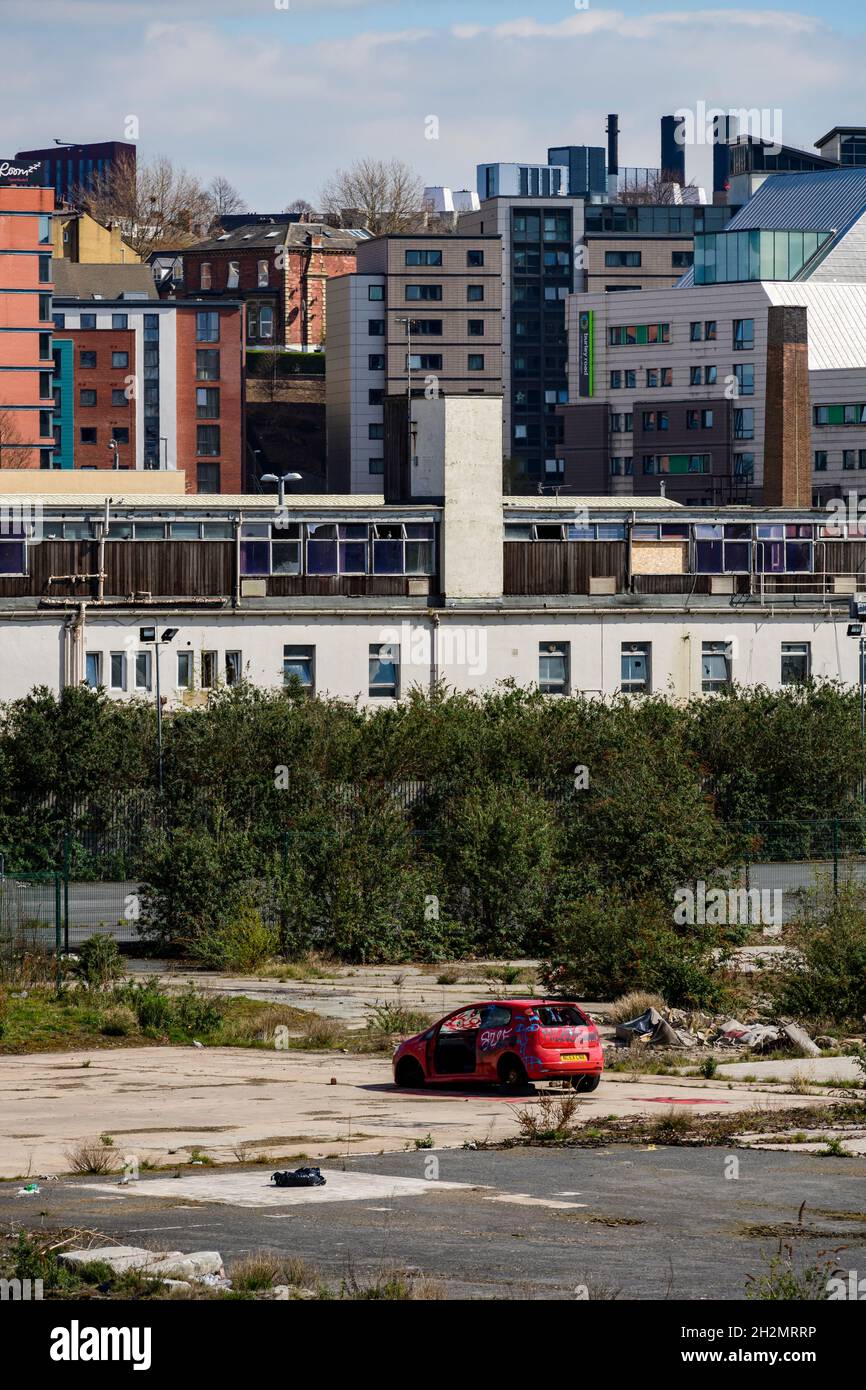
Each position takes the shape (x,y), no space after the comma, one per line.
(104,397)
(280,271)
(163,380)
(26,362)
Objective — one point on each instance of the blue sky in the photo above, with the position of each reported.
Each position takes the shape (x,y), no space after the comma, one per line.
(276,98)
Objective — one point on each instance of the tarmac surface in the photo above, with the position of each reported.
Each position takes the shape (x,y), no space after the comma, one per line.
(525,1224)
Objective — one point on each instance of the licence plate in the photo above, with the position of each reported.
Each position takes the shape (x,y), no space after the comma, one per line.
(574,1057)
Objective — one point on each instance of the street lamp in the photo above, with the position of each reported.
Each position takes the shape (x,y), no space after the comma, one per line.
(857,612)
(147,635)
(281,482)
(112,445)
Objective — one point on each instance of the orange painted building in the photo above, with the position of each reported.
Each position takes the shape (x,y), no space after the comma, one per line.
(26,362)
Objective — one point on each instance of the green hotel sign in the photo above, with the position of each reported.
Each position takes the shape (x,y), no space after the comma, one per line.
(585,353)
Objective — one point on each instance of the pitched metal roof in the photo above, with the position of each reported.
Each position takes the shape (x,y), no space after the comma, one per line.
(826,201)
(252,236)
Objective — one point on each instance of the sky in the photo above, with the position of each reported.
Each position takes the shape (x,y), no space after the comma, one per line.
(277,94)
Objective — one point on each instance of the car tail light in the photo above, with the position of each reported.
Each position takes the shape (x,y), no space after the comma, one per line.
(592,1035)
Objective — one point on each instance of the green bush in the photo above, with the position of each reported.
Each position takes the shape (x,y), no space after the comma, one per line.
(99,962)
(242,944)
(823,976)
(606,944)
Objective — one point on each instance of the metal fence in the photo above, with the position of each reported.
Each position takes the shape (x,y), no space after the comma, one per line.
(31,916)
(795,858)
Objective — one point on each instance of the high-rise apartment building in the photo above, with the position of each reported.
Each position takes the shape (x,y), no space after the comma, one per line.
(26,284)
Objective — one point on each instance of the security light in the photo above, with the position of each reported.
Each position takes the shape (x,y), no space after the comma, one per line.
(169,634)
(855,629)
(147,634)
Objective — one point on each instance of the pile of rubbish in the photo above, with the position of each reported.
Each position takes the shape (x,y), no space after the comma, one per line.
(679,1028)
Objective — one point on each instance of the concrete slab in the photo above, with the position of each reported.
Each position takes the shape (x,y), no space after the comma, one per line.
(167,1263)
(158,1104)
(815,1068)
(245,1189)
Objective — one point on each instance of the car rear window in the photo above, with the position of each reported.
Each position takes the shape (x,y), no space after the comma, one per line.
(559,1016)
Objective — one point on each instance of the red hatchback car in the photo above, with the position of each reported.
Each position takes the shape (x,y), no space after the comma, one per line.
(512,1041)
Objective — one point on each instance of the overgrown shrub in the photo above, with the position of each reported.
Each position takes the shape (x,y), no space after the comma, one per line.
(99,962)
(823,975)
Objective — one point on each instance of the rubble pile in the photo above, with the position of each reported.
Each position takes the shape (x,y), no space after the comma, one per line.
(682,1028)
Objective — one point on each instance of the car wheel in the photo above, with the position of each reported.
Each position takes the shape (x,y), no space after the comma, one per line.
(512,1076)
(585,1083)
(409,1073)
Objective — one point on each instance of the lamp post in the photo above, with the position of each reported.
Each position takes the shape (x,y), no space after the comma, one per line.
(857,613)
(148,636)
(115,459)
(281,483)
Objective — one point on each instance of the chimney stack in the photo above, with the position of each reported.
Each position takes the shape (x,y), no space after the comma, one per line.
(673,150)
(612,129)
(788,428)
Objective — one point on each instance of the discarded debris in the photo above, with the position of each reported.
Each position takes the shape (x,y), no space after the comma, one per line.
(798,1037)
(300,1177)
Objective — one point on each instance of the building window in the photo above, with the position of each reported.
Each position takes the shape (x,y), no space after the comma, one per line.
(849,460)
(745,374)
(118,671)
(375,431)
(87,360)
(614,258)
(207,403)
(45,310)
(234,667)
(120,434)
(44,270)
(428,292)
(384,670)
(207,326)
(744,424)
(45,347)
(820,460)
(260,322)
(424,362)
(376,362)
(475,362)
(681,260)
(376,465)
(207,440)
(233,275)
(715,666)
(87,321)
(208,477)
(299,666)
(46,388)
(476,328)
(207,364)
(621,466)
(59,320)
(376,328)
(119,398)
(262,274)
(205,276)
(635,667)
(119,321)
(184,670)
(423,258)
(142,670)
(87,434)
(208,670)
(426,328)
(474,258)
(744,465)
(553,667)
(376,292)
(639,334)
(93,669)
(744,334)
(796,662)
(474,293)
(375,395)
(119,359)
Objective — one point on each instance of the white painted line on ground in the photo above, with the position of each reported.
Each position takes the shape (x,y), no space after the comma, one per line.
(523,1199)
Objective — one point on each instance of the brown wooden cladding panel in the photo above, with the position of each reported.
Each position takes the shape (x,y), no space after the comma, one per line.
(562,567)
(178,569)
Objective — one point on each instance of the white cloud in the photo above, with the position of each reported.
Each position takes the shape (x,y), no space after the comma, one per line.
(276,115)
